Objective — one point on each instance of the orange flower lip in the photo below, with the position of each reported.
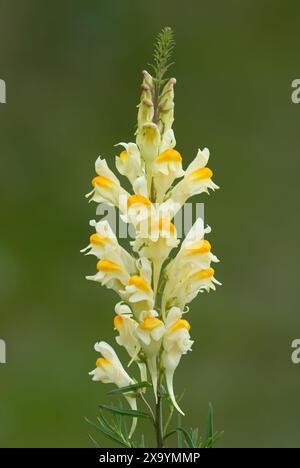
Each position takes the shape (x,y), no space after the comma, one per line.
(170,155)
(203,274)
(118,320)
(108,266)
(99,241)
(165,225)
(138,199)
(201,174)
(102,361)
(200,247)
(102,181)
(150,323)
(181,324)
(139,282)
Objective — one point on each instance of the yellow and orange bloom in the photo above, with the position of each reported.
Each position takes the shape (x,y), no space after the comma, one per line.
(130,164)
(150,332)
(126,327)
(197,179)
(110,370)
(194,255)
(166,168)
(139,293)
(106,187)
(190,285)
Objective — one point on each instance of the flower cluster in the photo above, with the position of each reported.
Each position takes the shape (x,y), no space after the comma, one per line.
(154,290)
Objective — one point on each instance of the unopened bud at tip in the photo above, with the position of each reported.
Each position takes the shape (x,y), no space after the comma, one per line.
(148,103)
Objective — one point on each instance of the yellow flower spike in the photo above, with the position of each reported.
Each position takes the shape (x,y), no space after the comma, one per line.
(139,282)
(179,325)
(102,181)
(170,155)
(201,174)
(150,323)
(108,266)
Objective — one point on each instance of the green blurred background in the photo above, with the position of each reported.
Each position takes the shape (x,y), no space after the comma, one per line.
(72,70)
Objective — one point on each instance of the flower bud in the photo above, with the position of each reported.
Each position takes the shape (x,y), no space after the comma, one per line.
(166,106)
(146,108)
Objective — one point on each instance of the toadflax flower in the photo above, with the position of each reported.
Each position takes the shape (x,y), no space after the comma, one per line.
(138,292)
(150,332)
(197,179)
(110,370)
(107,188)
(193,257)
(157,275)
(126,327)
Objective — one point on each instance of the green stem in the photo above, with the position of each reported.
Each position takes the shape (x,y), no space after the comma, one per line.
(149,179)
(158,416)
(156,275)
(148,406)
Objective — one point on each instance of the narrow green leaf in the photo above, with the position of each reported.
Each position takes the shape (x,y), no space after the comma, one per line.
(195,436)
(142,443)
(211,441)
(169,434)
(94,442)
(181,431)
(129,388)
(187,437)
(125,412)
(179,434)
(108,434)
(210,423)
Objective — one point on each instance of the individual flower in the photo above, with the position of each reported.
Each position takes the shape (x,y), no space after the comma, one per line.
(107,188)
(139,213)
(130,164)
(189,287)
(197,179)
(150,332)
(194,255)
(110,370)
(127,338)
(110,274)
(167,166)
(176,342)
(138,292)
(148,141)
(104,243)
(115,264)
